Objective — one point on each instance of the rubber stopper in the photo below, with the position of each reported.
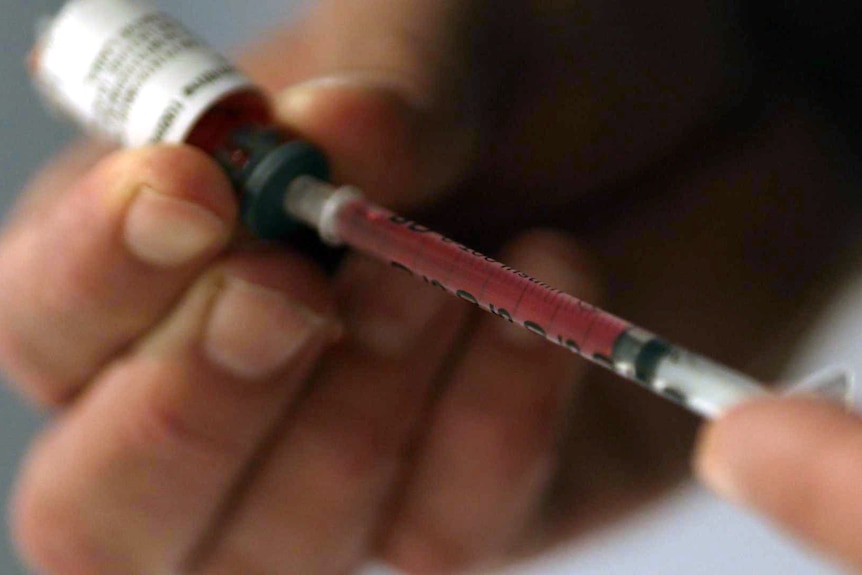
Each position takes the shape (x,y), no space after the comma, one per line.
(263,179)
(266,182)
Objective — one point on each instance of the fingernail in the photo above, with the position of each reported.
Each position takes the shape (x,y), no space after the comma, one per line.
(297,100)
(388,310)
(167,231)
(254,331)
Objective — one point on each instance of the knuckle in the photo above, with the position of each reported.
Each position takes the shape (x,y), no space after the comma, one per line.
(20,364)
(173,432)
(44,331)
(31,306)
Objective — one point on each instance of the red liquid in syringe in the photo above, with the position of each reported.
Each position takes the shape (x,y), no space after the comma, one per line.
(481,280)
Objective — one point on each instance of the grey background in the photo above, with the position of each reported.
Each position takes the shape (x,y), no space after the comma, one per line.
(688,534)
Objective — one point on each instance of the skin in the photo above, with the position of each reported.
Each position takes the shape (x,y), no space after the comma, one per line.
(224,408)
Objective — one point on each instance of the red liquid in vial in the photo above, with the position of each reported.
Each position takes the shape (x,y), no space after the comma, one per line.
(212,133)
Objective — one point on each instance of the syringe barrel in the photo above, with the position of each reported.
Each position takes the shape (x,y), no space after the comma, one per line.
(342,215)
(509,293)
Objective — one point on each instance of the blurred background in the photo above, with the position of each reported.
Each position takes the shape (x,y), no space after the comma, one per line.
(689,533)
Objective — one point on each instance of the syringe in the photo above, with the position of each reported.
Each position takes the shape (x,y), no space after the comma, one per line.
(141,78)
(343,217)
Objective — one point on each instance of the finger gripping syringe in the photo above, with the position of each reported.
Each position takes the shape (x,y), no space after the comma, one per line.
(130,72)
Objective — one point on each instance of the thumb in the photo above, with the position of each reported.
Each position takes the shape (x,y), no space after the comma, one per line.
(382,88)
(796,461)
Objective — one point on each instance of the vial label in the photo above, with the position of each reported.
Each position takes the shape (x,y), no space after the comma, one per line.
(129,71)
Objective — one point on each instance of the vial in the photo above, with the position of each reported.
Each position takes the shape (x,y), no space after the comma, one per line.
(127,71)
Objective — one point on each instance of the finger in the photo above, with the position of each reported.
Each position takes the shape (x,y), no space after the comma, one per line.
(53,179)
(383,87)
(798,462)
(376,140)
(490,448)
(132,476)
(105,261)
(314,507)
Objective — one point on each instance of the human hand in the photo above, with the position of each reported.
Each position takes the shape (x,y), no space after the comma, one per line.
(371,458)
(192,433)
(796,461)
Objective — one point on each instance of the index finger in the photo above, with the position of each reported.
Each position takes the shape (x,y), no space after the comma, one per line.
(797,461)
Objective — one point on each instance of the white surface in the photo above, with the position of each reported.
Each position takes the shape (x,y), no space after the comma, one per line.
(693,533)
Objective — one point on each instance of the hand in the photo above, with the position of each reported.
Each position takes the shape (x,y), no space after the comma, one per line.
(200,432)
(209,461)
(796,461)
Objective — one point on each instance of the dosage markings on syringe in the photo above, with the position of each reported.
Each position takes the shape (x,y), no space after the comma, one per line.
(490,284)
